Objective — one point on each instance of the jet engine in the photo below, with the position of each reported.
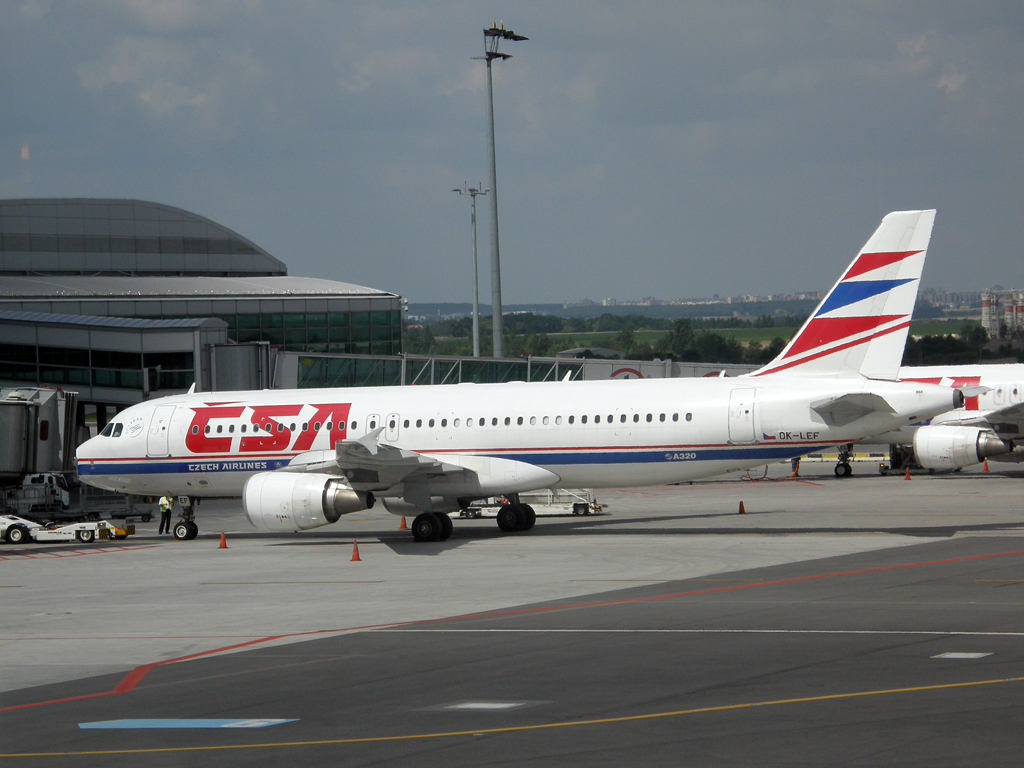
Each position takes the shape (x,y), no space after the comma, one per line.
(295,501)
(947,447)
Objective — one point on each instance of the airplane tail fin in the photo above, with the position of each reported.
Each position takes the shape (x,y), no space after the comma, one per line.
(861,326)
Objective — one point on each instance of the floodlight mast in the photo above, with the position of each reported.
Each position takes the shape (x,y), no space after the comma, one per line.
(492,37)
(473,192)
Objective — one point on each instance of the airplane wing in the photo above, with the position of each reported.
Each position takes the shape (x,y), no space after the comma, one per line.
(1007,423)
(846,409)
(367,464)
(370,465)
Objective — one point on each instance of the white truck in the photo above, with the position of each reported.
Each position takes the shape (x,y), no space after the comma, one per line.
(18,530)
(41,494)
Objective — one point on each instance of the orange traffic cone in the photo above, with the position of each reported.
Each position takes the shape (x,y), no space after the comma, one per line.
(742,510)
(223,542)
(985,468)
(906,475)
(355,553)
(402,526)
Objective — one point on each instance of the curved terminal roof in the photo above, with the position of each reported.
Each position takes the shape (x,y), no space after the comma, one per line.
(98,236)
(93,321)
(74,287)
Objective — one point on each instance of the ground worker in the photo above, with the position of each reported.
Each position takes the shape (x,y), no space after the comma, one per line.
(166,504)
(795,464)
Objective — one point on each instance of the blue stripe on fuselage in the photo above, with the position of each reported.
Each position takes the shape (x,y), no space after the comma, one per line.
(759,452)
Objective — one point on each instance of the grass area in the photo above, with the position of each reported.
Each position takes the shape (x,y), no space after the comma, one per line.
(935,327)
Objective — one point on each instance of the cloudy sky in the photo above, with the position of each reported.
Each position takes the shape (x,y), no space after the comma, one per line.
(666,149)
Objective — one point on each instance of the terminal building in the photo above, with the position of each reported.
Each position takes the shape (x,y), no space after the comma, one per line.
(123,299)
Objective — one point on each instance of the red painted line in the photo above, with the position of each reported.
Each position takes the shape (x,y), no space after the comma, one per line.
(133,678)
(720,589)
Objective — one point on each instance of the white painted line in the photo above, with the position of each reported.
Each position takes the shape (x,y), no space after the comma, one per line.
(486,705)
(961,655)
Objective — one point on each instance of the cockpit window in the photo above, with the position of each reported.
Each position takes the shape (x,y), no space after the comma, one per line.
(117,429)
(107,430)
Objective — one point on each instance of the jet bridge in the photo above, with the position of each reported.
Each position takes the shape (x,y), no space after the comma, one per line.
(37,432)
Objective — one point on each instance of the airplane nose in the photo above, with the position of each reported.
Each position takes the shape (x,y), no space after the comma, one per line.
(86,450)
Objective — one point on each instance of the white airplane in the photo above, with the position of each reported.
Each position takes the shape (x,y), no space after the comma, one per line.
(990,426)
(302,458)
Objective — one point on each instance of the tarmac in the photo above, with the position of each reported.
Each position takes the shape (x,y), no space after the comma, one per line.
(815,629)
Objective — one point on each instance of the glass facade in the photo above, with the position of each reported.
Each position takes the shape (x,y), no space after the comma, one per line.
(60,366)
(352,333)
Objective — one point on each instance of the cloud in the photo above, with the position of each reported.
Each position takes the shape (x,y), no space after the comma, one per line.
(951,83)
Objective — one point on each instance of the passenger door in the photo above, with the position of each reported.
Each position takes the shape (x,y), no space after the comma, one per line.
(741,415)
(159,432)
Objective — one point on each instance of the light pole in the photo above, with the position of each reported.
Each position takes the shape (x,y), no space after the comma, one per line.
(473,192)
(492,37)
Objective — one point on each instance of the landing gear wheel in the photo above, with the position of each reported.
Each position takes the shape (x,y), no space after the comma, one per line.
(16,534)
(843,470)
(181,530)
(510,519)
(193,530)
(529,517)
(85,536)
(446,526)
(426,527)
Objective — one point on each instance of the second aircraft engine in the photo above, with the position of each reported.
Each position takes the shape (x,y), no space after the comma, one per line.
(947,447)
(296,501)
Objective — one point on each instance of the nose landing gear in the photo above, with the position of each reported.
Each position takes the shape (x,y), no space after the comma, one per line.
(186,529)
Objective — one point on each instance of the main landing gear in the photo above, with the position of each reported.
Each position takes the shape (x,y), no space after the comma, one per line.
(436,526)
(516,517)
(432,526)
(186,529)
(843,466)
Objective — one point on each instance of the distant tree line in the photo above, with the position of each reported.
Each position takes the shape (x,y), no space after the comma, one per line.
(681,339)
(970,345)
(692,340)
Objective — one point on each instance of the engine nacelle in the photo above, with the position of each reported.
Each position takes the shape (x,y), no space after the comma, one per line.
(943,447)
(296,501)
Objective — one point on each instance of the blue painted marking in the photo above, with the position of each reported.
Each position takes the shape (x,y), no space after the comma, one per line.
(854,291)
(171,723)
(667,455)
(759,452)
(195,466)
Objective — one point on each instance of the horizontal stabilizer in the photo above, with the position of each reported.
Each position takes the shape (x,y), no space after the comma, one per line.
(846,409)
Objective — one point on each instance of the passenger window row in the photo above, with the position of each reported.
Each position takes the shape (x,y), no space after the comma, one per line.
(114,429)
(532,420)
(269,428)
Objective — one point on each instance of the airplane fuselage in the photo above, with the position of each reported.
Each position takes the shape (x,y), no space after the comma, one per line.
(573,434)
